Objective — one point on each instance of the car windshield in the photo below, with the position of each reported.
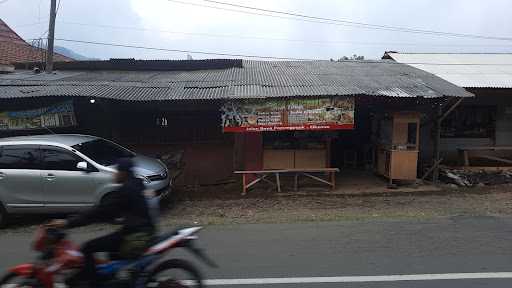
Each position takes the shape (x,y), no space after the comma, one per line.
(102,151)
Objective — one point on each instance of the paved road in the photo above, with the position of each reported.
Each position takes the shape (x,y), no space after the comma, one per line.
(369,248)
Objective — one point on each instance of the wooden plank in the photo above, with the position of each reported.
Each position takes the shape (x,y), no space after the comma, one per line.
(244,188)
(381,161)
(312,158)
(432,169)
(313,170)
(278,183)
(318,179)
(437,143)
(450,109)
(406,116)
(265,173)
(400,130)
(258,171)
(478,148)
(328,152)
(404,165)
(278,159)
(417,144)
(255,181)
(503,160)
(462,157)
(268,181)
(485,168)
(465,154)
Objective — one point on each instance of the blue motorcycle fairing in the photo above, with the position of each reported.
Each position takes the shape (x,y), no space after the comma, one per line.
(114,266)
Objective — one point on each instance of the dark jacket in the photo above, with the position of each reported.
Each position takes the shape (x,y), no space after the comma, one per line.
(128,202)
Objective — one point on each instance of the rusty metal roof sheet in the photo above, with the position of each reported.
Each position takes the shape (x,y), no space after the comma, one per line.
(256,79)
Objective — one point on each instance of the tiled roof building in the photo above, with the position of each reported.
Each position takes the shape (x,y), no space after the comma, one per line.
(14,49)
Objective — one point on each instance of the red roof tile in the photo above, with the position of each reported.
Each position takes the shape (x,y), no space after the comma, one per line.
(14,49)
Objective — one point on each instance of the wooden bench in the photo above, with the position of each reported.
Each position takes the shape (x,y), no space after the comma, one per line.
(464,153)
(262,175)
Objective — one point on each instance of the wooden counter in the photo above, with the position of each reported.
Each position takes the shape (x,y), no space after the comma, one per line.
(398,164)
(310,159)
(294,159)
(278,159)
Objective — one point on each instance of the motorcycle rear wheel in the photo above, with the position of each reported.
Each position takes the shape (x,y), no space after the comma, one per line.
(158,279)
(13,280)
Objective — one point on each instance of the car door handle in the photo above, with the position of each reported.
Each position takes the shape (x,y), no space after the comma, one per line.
(50,177)
(2,175)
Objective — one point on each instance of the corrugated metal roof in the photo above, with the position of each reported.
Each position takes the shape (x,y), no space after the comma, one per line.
(257,79)
(130,64)
(465,70)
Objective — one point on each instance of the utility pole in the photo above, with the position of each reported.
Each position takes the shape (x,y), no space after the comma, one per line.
(51,37)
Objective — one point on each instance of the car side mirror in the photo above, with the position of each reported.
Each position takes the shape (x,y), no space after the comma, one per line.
(82,166)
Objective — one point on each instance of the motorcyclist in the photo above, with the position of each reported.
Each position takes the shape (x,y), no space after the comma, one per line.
(137,229)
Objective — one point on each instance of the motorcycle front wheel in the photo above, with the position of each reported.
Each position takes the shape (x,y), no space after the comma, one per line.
(175,273)
(13,280)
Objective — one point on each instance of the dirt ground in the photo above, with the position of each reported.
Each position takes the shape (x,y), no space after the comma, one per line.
(226,206)
(273,208)
(348,182)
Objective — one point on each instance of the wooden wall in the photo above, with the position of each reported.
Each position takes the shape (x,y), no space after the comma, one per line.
(192,127)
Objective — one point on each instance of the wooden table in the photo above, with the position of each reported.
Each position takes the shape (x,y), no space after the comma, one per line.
(262,175)
(464,153)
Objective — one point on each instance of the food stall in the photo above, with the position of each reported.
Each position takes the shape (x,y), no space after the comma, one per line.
(295,132)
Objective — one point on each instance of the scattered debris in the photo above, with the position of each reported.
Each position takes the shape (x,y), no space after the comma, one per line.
(468,178)
(452,186)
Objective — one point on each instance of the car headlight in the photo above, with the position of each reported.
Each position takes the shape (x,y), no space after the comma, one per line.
(143,178)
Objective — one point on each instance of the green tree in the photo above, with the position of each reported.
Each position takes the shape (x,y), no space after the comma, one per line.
(353,57)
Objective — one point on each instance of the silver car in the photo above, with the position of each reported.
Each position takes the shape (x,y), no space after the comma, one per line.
(66,173)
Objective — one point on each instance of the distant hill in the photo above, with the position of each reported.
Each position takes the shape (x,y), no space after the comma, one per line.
(71,54)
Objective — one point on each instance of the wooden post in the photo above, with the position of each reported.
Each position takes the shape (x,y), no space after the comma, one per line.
(457,103)
(328,154)
(437,143)
(278,181)
(244,187)
(437,136)
(431,169)
(466,158)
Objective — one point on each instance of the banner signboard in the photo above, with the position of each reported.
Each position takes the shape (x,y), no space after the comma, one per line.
(58,115)
(335,113)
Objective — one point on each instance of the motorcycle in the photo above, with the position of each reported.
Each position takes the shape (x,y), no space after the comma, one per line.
(59,258)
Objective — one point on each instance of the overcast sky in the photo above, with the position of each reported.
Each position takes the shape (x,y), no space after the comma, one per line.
(171,25)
